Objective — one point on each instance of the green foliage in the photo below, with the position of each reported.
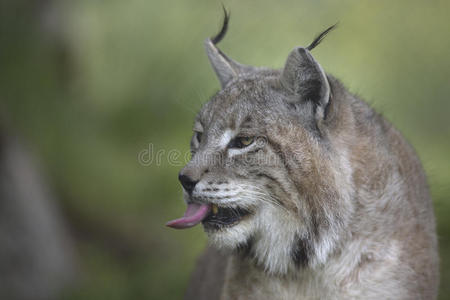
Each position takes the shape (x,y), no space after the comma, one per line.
(120,75)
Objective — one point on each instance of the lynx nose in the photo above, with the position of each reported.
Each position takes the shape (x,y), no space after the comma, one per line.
(187,183)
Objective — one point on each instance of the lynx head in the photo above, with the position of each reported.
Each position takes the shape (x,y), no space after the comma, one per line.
(269,175)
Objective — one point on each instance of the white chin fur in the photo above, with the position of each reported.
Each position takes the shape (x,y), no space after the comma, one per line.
(230,238)
(273,231)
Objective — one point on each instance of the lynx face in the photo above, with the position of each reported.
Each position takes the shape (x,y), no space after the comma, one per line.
(240,167)
(267,175)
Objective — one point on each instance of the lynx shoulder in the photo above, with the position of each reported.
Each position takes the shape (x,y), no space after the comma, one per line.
(303,190)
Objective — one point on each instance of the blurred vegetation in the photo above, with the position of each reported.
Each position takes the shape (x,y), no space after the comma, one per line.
(90,84)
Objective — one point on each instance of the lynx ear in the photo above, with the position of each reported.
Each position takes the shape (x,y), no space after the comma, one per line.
(304,78)
(226,69)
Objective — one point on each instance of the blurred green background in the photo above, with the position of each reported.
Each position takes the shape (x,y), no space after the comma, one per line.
(90,84)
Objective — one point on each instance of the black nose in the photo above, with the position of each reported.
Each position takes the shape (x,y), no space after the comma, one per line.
(187,183)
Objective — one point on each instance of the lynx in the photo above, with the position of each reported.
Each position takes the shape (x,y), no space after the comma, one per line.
(303,190)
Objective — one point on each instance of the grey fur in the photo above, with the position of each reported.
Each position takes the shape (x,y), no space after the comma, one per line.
(226,69)
(340,204)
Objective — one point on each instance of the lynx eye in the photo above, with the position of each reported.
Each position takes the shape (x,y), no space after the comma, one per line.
(198,136)
(241,142)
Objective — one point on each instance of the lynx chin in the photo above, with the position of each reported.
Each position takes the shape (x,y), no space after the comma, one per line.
(303,190)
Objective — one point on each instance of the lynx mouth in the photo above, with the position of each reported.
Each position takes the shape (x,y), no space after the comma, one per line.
(210,215)
(220,217)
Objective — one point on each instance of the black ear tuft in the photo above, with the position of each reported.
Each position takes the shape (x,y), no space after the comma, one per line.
(226,18)
(320,37)
(226,69)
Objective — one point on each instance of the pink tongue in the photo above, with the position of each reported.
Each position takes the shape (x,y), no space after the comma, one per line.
(194,214)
